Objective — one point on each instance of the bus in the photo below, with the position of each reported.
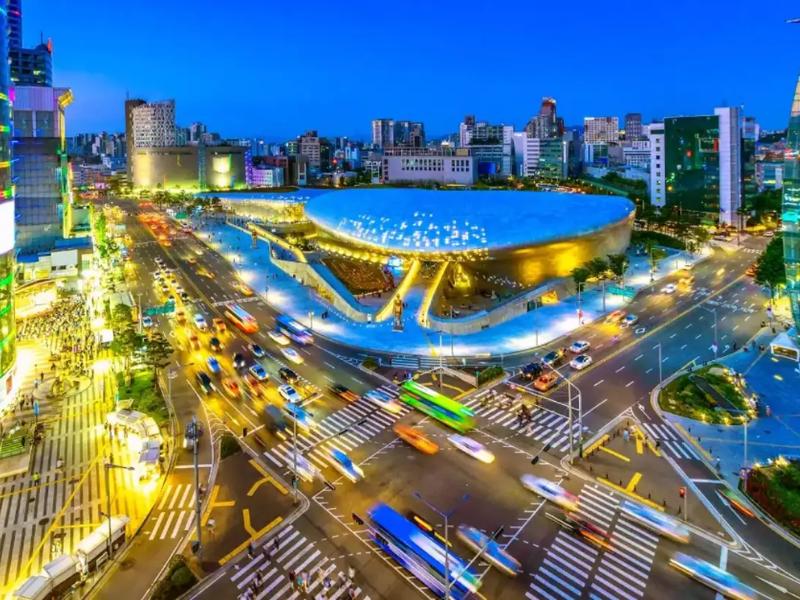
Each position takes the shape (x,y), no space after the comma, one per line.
(294,329)
(420,554)
(241,318)
(440,407)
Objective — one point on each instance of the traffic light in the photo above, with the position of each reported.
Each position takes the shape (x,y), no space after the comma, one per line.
(682,492)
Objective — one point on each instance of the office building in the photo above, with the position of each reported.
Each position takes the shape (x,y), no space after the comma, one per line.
(491,146)
(636,154)
(633,127)
(387,133)
(791,209)
(600,129)
(130,104)
(309,146)
(545,158)
(658,196)
(29,66)
(154,124)
(443,167)
(382,133)
(546,124)
(8,345)
(190,168)
(701,164)
(750,133)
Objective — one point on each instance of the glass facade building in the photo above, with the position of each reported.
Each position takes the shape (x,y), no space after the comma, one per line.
(8,351)
(791,208)
(692,173)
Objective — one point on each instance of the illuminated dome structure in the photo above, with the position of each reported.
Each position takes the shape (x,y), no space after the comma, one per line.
(525,236)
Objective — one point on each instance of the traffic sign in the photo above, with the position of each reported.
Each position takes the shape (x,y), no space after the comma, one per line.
(624,291)
(167,308)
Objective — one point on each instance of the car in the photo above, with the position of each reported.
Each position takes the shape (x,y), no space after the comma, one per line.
(686,281)
(258,372)
(184,296)
(219,325)
(579,346)
(203,272)
(629,321)
(243,289)
(616,316)
(299,415)
(253,385)
(194,342)
(550,491)
(292,355)
(164,289)
(546,381)
(656,521)
(472,447)
(712,576)
(492,552)
(670,288)
(277,337)
(238,360)
(554,357)
(147,321)
(588,530)
(193,431)
(200,322)
(204,381)
(256,350)
(213,365)
(231,386)
(344,393)
(580,362)
(532,370)
(751,270)
(180,317)
(304,468)
(215,344)
(342,463)
(191,260)
(383,400)
(289,394)
(416,438)
(288,375)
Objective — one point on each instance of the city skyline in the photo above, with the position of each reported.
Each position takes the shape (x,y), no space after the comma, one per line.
(365,78)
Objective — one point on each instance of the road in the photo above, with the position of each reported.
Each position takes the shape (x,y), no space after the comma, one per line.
(328,539)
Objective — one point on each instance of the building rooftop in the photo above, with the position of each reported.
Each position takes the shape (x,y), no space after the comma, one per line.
(426,221)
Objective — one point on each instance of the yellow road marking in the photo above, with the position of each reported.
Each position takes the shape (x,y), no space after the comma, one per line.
(638,439)
(253,535)
(615,453)
(213,503)
(636,497)
(634,481)
(596,445)
(266,477)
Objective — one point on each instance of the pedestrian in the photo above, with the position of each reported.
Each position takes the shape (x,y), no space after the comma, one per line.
(292,579)
(304,581)
(327,583)
(250,550)
(36,477)
(275,544)
(351,572)
(267,554)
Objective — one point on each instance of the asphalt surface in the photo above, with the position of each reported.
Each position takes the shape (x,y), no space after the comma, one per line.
(555,563)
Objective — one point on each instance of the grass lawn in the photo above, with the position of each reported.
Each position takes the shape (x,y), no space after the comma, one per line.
(146,398)
(684,397)
(776,488)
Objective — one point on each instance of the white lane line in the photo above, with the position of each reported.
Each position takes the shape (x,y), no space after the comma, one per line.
(638,357)
(620,369)
(599,382)
(629,384)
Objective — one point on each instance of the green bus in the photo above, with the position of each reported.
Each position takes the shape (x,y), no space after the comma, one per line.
(435,405)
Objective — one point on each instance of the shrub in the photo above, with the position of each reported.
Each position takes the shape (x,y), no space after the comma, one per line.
(228,446)
(178,580)
(490,373)
(370,363)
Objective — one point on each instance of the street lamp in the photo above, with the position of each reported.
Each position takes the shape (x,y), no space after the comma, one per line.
(446,516)
(570,419)
(580,311)
(108,465)
(311,319)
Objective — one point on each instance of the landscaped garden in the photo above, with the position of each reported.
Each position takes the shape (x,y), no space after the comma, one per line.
(711,394)
(776,488)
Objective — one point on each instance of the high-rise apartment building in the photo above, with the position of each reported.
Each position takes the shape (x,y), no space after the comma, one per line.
(600,130)
(791,209)
(701,164)
(750,133)
(130,104)
(382,133)
(308,145)
(633,128)
(154,124)
(8,345)
(658,196)
(387,133)
(14,23)
(546,124)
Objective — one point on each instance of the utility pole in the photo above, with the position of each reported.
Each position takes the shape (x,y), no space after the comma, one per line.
(108,465)
(294,461)
(198,500)
(441,361)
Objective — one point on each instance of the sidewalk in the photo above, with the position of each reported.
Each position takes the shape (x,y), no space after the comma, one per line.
(527,331)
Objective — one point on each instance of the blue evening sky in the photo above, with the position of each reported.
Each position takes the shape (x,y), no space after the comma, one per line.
(276,68)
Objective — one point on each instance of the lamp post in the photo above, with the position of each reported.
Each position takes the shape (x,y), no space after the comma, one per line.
(311,319)
(446,516)
(108,465)
(580,310)
(572,394)
(198,500)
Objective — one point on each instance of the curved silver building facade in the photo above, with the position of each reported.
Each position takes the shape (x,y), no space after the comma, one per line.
(791,208)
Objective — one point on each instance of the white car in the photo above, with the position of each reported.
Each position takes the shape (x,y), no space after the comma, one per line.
(550,491)
(292,355)
(670,288)
(147,321)
(305,469)
(200,322)
(383,400)
(289,394)
(580,362)
(278,338)
(629,321)
(580,346)
(469,446)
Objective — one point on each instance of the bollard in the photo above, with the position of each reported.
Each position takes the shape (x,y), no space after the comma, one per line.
(620,482)
(591,469)
(664,502)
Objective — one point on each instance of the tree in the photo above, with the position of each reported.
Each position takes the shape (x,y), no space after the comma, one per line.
(770,268)
(157,351)
(130,344)
(579,276)
(597,267)
(618,264)
(121,318)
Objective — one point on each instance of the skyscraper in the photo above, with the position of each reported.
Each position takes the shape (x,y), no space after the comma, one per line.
(8,346)
(546,124)
(791,208)
(633,127)
(600,129)
(29,66)
(382,133)
(154,124)
(130,104)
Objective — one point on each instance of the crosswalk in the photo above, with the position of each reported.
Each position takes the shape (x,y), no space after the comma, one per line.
(571,565)
(174,514)
(316,443)
(297,554)
(670,441)
(545,427)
